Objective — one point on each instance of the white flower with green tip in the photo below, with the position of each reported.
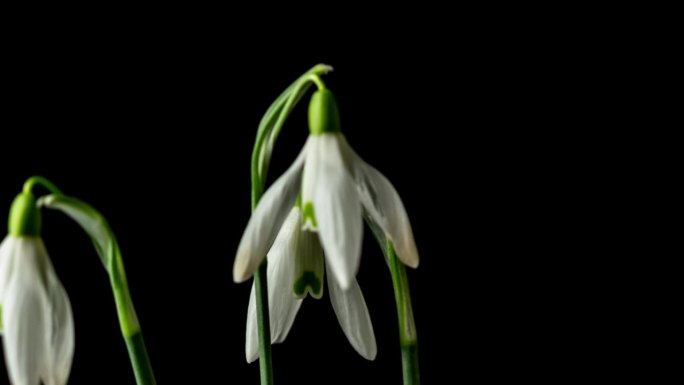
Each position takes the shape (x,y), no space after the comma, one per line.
(37,322)
(295,269)
(337,187)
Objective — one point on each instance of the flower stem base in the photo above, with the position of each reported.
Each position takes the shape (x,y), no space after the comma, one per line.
(408,337)
(409,361)
(139,360)
(263,324)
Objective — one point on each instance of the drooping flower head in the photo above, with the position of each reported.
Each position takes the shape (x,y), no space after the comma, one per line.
(37,322)
(334,190)
(337,189)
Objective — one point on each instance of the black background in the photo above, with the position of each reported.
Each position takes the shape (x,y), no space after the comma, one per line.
(154,127)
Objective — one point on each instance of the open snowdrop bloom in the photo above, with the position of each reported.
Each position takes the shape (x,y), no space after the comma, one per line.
(36,320)
(337,188)
(320,236)
(295,269)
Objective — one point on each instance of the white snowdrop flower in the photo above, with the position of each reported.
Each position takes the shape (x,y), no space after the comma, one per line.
(36,320)
(295,269)
(337,188)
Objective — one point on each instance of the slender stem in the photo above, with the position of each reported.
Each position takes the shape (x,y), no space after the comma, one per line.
(408,338)
(263,320)
(409,362)
(128,321)
(34,180)
(318,81)
(139,359)
(265,361)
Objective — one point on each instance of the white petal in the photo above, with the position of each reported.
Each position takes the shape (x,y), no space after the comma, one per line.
(251,335)
(26,317)
(310,171)
(337,208)
(283,306)
(382,202)
(61,338)
(352,313)
(266,220)
(6,248)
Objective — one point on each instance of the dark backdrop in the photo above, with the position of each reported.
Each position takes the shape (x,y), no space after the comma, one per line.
(154,127)
(156,132)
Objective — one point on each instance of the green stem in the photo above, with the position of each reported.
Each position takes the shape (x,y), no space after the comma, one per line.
(139,359)
(128,321)
(318,81)
(408,338)
(409,362)
(39,180)
(263,322)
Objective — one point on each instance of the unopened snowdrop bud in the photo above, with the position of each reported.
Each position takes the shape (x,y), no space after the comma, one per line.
(323,113)
(37,322)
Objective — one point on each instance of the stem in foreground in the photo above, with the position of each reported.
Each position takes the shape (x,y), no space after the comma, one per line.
(263,323)
(128,320)
(139,359)
(408,338)
(267,133)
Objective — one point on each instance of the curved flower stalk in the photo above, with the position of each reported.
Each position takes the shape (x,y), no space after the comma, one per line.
(35,314)
(96,226)
(337,190)
(296,269)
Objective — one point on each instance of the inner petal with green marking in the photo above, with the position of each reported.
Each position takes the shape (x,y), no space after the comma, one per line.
(309,216)
(309,266)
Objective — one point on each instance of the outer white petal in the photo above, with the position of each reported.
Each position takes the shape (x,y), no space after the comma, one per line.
(251,335)
(26,317)
(283,306)
(61,338)
(6,248)
(382,202)
(352,313)
(266,220)
(337,208)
